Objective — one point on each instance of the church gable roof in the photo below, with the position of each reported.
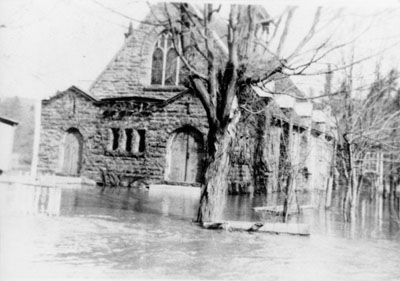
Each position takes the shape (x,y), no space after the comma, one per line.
(129,72)
(72,89)
(159,103)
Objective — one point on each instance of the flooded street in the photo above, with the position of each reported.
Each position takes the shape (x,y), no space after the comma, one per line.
(117,233)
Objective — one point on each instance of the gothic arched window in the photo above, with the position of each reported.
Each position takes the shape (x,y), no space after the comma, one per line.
(165,62)
(157,67)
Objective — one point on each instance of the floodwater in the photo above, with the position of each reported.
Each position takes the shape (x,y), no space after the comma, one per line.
(61,233)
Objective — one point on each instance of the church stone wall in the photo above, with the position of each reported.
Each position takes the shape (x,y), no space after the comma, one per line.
(98,155)
(64,111)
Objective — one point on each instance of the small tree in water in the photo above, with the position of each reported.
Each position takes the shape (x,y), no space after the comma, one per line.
(367,120)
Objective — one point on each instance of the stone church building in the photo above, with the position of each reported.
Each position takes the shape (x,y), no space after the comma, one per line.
(138,122)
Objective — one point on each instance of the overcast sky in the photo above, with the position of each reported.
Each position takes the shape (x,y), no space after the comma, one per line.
(49,45)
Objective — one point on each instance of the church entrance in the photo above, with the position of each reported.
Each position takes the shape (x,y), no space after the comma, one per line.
(72,153)
(185,156)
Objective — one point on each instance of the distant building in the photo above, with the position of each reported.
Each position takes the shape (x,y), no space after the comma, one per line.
(7,128)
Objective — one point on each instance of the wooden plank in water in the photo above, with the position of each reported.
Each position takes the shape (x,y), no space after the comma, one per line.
(287,228)
(243,225)
(278,209)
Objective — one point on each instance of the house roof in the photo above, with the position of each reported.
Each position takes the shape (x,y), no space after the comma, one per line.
(8,121)
(73,89)
(157,102)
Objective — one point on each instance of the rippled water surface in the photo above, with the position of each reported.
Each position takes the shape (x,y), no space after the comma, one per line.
(86,233)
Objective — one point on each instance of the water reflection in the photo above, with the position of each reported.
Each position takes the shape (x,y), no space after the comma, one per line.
(176,201)
(376,217)
(121,233)
(25,199)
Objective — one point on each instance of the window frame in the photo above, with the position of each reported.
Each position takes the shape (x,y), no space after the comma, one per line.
(115,138)
(162,44)
(126,142)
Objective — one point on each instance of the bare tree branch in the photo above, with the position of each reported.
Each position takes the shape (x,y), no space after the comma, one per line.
(283,37)
(309,35)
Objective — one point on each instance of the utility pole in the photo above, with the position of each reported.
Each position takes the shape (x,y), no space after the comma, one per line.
(36,139)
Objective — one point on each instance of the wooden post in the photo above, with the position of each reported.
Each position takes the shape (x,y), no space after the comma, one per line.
(328,198)
(36,139)
(379,165)
(331,178)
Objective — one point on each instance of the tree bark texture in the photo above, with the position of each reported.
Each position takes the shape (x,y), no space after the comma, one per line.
(351,199)
(214,191)
(288,183)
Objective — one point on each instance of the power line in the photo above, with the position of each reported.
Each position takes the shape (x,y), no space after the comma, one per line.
(123,15)
(79,8)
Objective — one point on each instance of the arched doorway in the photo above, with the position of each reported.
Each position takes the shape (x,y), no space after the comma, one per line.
(185,156)
(72,157)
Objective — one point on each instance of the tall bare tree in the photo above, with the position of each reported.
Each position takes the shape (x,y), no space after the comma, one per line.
(222,59)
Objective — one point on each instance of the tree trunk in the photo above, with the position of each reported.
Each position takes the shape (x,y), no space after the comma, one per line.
(328,195)
(288,197)
(288,189)
(351,199)
(346,202)
(350,204)
(215,188)
(392,186)
(354,196)
(214,191)
(260,166)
